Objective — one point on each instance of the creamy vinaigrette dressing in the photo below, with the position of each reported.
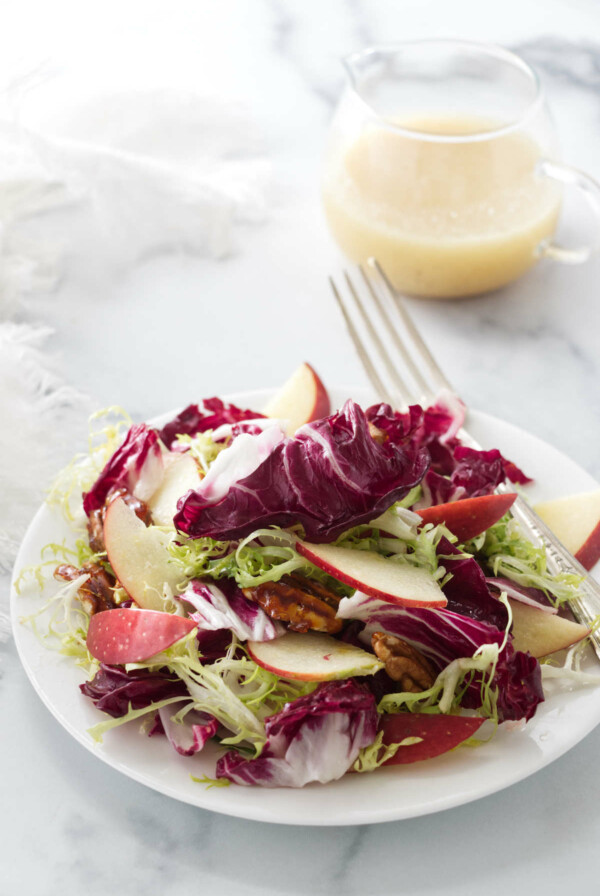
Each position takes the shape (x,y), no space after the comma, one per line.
(444,218)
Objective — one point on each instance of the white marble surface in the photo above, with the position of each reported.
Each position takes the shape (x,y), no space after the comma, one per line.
(529,354)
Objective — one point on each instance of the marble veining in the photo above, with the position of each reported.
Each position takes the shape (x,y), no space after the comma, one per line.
(575,63)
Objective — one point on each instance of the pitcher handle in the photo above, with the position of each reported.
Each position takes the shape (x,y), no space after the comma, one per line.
(590,188)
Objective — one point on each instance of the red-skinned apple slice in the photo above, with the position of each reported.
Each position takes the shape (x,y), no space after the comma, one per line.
(470,516)
(575,519)
(541,633)
(438,734)
(139,556)
(132,636)
(312,657)
(181,475)
(301,399)
(397,583)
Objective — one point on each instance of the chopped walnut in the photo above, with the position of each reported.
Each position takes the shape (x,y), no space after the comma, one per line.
(403,663)
(97,594)
(303,603)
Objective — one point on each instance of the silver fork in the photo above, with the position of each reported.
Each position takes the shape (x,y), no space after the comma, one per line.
(376,316)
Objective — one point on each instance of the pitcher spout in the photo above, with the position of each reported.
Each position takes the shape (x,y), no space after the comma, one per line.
(356,65)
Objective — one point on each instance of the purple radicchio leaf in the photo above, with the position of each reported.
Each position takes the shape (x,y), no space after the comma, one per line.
(189,735)
(213,645)
(238,461)
(225,607)
(443,636)
(397,427)
(433,428)
(136,465)
(534,597)
(519,681)
(475,473)
(479,472)
(313,738)
(467,591)
(514,473)
(456,471)
(194,419)
(114,690)
(332,475)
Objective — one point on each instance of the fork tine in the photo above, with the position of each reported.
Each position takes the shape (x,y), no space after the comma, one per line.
(400,308)
(363,354)
(426,391)
(398,386)
(361,308)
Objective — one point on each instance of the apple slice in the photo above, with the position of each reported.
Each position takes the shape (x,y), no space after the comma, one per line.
(301,399)
(181,475)
(132,636)
(312,657)
(139,556)
(397,583)
(541,633)
(438,734)
(575,519)
(470,516)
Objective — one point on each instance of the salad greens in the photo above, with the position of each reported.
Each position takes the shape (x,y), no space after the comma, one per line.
(508,554)
(356,478)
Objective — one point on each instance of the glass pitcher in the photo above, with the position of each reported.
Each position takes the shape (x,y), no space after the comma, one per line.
(441,163)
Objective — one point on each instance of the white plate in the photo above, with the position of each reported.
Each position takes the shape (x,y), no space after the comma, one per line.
(389,794)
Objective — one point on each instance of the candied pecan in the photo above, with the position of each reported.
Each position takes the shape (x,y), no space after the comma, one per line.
(140,508)
(97,593)
(95,528)
(403,663)
(303,603)
(96,517)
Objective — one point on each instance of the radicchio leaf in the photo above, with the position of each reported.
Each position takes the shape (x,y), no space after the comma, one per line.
(433,428)
(314,738)
(136,466)
(189,735)
(194,419)
(514,473)
(467,590)
(238,461)
(456,471)
(332,475)
(114,690)
(525,594)
(519,681)
(213,645)
(225,607)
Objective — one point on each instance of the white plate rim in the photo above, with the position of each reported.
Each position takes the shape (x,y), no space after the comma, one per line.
(321,805)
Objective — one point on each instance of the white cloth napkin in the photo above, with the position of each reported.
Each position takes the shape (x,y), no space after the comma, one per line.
(142,171)
(40,415)
(114,175)
(160,170)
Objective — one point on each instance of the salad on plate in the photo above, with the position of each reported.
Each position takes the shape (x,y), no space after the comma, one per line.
(318,591)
